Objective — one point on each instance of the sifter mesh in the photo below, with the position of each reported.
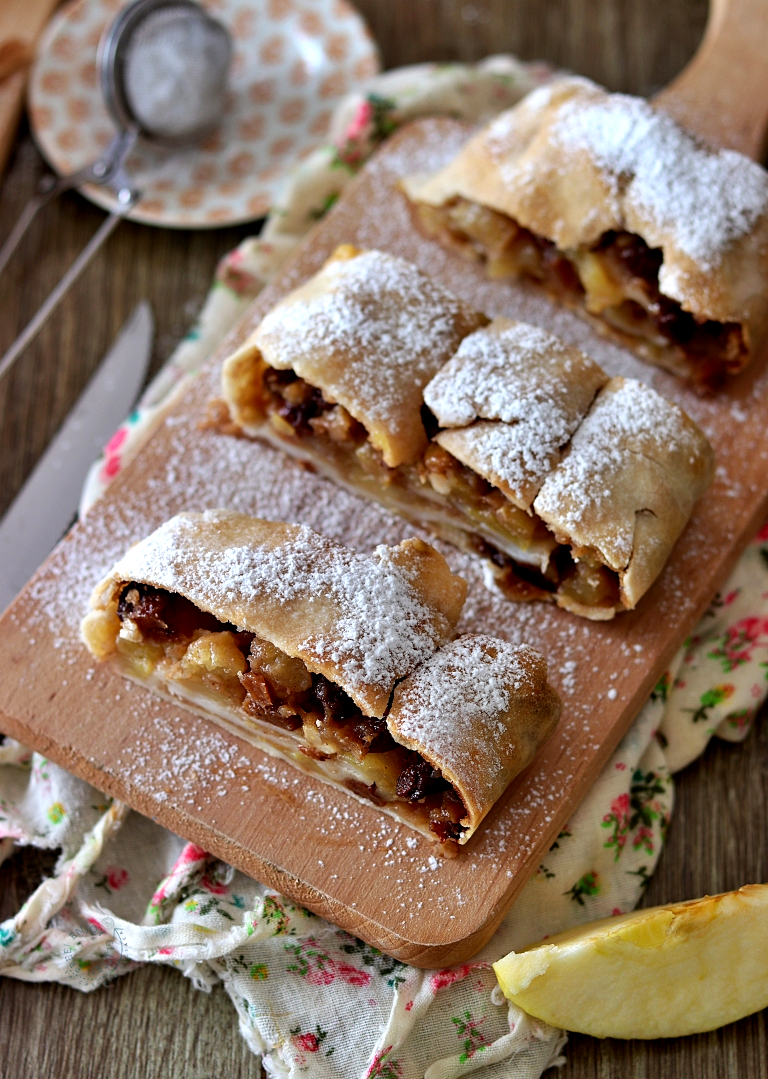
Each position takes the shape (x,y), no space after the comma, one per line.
(175,72)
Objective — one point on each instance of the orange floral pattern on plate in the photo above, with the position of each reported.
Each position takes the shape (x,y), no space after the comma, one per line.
(292,60)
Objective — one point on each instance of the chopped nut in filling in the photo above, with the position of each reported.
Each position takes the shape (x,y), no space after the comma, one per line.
(162,634)
(615,282)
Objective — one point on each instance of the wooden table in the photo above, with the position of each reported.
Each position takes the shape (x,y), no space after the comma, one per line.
(153,1023)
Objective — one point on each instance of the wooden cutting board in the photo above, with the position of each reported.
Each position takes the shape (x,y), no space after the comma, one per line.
(339,857)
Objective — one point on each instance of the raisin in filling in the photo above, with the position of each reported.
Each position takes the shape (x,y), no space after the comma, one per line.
(161,615)
(633,265)
(278,689)
(616,280)
(418,779)
(299,409)
(293,399)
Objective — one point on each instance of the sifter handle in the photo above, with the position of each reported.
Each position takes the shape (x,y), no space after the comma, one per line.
(107,168)
(54,299)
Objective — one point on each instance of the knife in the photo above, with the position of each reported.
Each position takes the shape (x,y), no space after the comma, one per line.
(47,503)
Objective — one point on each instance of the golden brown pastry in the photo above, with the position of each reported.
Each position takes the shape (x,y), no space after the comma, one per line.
(620,215)
(624,491)
(512,413)
(298,644)
(509,400)
(478,711)
(366,333)
(606,471)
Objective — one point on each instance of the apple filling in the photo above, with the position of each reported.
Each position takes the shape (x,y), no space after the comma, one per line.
(615,282)
(164,637)
(529,562)
(579,575)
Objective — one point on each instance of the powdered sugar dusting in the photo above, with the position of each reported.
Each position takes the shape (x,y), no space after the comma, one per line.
(516,299)
(706,199)
(516,457)
(628,419)
(454,704)
(538,387)
(193,470)
(381,629)
(393,326)
(497,377)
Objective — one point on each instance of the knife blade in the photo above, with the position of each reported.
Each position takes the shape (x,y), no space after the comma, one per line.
(46,504)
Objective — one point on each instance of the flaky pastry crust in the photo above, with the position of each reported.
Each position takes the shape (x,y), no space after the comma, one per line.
(259,625)
(369,330)
(575,487)
(479,709)
(307,595)
(572,163)
(628,484)
(508,402)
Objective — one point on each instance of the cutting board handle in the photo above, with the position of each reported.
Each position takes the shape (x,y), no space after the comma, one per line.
(722,95)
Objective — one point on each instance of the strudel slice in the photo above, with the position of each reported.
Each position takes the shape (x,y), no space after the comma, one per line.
(620,215)
(605,470)
(343,664)
(345,357)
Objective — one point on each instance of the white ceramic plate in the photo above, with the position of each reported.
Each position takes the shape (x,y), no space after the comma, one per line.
(293,60)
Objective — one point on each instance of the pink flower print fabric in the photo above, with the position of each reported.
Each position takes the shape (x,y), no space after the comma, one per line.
(719,678)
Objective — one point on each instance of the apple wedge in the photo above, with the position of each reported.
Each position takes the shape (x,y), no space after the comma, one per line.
(657,973)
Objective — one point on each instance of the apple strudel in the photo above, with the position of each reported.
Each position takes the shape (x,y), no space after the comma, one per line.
(510,412)
(606,470)
(343,664)
(622,216)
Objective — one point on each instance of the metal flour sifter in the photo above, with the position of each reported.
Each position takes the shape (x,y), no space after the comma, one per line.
(163,71)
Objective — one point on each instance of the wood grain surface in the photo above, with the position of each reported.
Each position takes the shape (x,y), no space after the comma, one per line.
(716,841)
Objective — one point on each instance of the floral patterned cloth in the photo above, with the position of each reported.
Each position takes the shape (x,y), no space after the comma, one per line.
(311,999)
